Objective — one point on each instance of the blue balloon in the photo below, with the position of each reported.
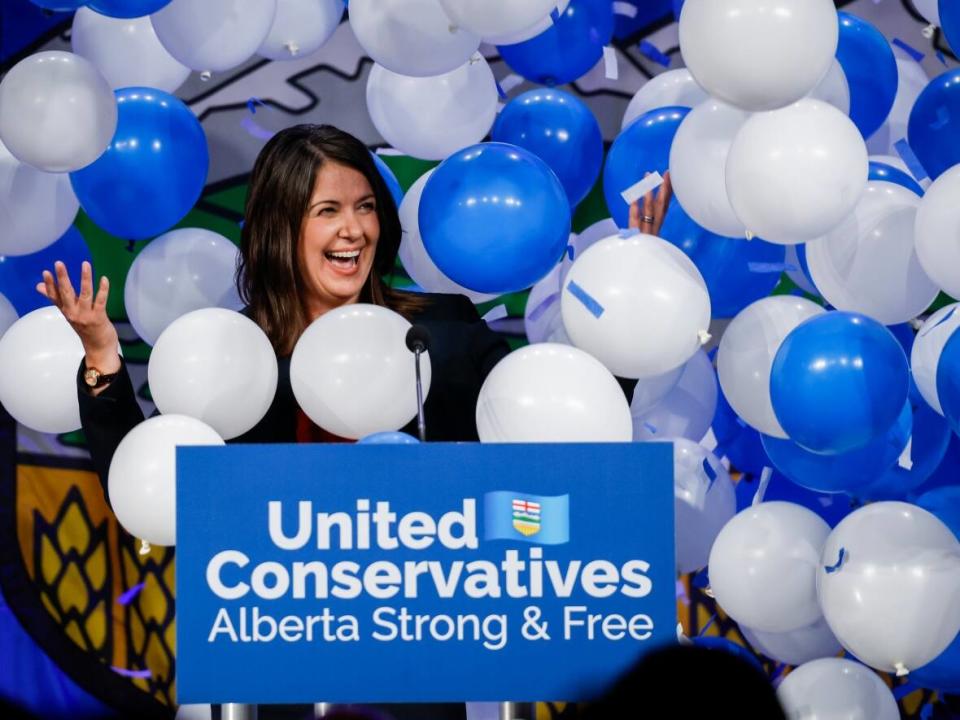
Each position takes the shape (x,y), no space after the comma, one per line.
(736,440)
(839,380)
(568,49)
(560,130)
(20,274)
(943,502)
(871,69)
(152,172)
(832,507)
(60,5)
(950,23)
(388,438)
(887,173)
(494,218)
(127,8)
(947,471)
(850,471)
(737,271)
(934,127)
(642,147)
(948,381)
(389,178)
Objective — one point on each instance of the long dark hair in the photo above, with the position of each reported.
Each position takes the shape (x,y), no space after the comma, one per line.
(281,185)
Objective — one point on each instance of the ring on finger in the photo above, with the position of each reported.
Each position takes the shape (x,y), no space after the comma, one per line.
(649,219)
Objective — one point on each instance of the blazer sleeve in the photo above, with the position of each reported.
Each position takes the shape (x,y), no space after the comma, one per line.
(106,418)
(487,348)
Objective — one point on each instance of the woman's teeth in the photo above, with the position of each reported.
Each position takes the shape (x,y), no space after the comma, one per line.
(345,258)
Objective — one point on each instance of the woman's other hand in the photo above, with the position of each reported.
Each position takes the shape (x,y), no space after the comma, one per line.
(648,218)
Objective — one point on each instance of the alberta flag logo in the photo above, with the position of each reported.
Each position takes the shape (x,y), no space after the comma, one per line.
(510,515)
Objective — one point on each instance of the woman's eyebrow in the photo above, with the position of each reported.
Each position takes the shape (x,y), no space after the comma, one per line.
(321,202)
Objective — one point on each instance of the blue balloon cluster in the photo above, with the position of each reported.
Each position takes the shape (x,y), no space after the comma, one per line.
(152,172)
(19,275)
(871,70)
(948,380)
(950,22)
(934,127)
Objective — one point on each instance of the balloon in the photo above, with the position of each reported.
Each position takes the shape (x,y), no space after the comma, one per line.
(388,438)
(755,55)
(649,392)
(833,89)
(868,263)
(929,9)
(933,131)
(181,271)
(463,102)
(842,361)
(301,27)
(944,503)
(763,566)
(560,130)
(832,507)
(643,147)
(36,207)
(142,480)
(20,275)
(807,157)
(687,410)
(568,49)
(948,381)
(127,8)
(739,443)
(703,502)
(698,159)
(57,112)
(911,80)
(950,22)
(153,171)
(59,5)
(871,71)
(421,269)
(551,393)
(927,348)
(217,366)
(637,304)
(489,18)
(886,173)
(836,688)
(938,232)
(579,243)
(214,35)
(542,321)
(352,373)
(849,471)
(411,37)
(393,185)
(532,31)
(127,52)
(798,270)
(746,353)
(494,218)
(796,646)
(888,584)
(8,315)
(39,357)
(670,88)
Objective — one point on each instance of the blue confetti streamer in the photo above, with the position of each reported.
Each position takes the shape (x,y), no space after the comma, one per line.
(910,160)
(708,469)
(252,104)
(570,252)
(130,594)
(651,51)
(500,91)
(540,309)
(836,566)
(762,267)
(908,49)
(554,15)
(132,673)
(595,308)
(942,320)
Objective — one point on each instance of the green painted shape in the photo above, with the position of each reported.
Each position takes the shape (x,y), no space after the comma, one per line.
(232,198)
(407,169)
(592,209)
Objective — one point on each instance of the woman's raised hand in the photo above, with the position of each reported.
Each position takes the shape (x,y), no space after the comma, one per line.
(649,217)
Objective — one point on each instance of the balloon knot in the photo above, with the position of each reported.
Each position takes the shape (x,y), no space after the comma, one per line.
(901,669)
(704,336)
(929,30)
(144,547)
(206,75)
(292,47)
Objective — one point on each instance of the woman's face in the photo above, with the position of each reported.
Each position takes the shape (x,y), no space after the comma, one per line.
(338,238)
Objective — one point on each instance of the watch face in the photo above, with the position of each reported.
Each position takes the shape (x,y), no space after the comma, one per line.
(91,377)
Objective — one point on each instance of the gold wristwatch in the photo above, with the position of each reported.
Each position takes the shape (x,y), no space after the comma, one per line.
(94,378)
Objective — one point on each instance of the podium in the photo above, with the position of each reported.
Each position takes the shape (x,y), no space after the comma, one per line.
(420,573)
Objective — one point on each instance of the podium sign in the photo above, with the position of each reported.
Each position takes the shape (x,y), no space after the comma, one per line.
(420,573)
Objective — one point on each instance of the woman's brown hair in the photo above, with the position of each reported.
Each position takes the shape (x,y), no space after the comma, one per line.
(279,193)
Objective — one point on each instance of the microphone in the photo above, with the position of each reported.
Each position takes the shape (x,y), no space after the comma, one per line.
(418,341)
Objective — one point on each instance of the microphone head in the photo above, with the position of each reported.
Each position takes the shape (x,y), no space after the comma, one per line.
(418,338)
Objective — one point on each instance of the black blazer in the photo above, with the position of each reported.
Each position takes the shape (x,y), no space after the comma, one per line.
(463,351)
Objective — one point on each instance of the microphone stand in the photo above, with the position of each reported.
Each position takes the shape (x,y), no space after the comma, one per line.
(421,421)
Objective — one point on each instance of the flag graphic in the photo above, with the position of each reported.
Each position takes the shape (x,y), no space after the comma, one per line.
(510,515)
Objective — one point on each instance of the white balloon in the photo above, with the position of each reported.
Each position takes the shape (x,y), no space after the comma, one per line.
(893,161)
(834,88)
(126,51)
(462,102)
(8,315)
(413,255)
(300,28)
(764,563)
(491,18)
(687,410)
(747,349)
(835,689)
(648,392)
(36,207)
(670,88)
(411,37)
(912,79)
(930,9)
(927,347)
(217,366)
(213,35)
(757,54)
(142,481)
(698,160)
(638,304)
(57,112)
(590,236)
(538,27)
(702,502)
(39,357)
(869,264)
(551,393)
(795,270)
(938,232)
(796,646)
(180,271)
(542,320)
(793,174)
(888,585)
(352,373)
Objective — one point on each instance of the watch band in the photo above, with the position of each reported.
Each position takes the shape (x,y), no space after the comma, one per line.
(96,379)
